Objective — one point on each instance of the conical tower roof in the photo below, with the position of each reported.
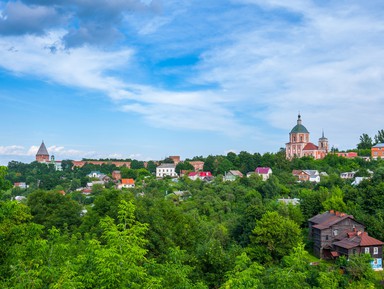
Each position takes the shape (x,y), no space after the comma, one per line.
(42,150)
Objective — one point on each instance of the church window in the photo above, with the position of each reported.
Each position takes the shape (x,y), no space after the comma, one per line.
(301,138)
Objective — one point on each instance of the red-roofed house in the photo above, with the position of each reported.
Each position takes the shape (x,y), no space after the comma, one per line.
(199,175)
(264,172)
(335,234)
(127,183)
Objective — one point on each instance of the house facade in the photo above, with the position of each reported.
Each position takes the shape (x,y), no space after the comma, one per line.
(232,175)
(299,144)
(264,172)
(307,175)
(377,151)
(336,234)
(166,170)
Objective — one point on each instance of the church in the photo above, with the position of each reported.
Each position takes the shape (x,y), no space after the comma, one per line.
(42,156)
(300,146)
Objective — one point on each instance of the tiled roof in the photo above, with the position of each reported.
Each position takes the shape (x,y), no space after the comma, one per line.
(328,219)
(310,147)
(236,173)
(262,170)
(356,239)
(42,150)
(128,181)
(162,166)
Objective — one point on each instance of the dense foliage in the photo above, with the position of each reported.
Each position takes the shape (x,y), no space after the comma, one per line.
(215,235)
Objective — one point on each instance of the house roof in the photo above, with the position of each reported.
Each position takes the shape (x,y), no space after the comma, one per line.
(312,173)
(310,147)
(262,170)
(298,172)
(127,181)
(356,239)
(235,173)
(165,166)
(379,145)
(42,150)
(328,219)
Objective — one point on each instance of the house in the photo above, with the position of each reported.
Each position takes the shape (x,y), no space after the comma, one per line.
(232,175)
(348,155)
(116,175)
(307,175)
(288,201)
(377,151)
(335,234)
(21,185)
(166,170)
(199,175)
(98,175)
(126,184)
(347,175)
(300,146)
(264,172)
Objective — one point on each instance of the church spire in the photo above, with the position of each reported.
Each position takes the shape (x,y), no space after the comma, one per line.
(299,119)
(42,154)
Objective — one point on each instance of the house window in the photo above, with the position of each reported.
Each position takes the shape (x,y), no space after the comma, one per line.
(366,250)
(354,251)
(326,237)
(375,250)
(335,232)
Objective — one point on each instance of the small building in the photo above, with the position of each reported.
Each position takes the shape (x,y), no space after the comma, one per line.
(165,170)
(116,175)
(264,172)
(348,155)
(288,201)
(377,151)
(307,175)
(21,185)
(232,175)
(199,175)
(126,184)
(347,175)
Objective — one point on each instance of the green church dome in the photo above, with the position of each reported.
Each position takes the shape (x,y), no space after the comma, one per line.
(299,128)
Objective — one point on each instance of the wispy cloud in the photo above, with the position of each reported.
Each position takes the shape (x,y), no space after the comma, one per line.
(262,61)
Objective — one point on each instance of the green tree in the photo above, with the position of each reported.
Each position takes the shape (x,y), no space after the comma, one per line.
(245,274)
(365,142)
(274,237)
(379,137)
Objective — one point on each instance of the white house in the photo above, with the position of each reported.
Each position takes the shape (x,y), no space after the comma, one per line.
(264,172)
(166,170)
(314,175)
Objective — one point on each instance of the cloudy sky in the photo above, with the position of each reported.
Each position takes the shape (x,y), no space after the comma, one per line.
(148,79)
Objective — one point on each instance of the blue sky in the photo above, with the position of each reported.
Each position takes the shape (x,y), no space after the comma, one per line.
(149,79)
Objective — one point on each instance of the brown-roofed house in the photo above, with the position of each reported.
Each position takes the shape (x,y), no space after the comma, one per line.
(335,234)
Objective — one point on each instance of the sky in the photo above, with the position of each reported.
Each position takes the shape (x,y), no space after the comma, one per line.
(149,79)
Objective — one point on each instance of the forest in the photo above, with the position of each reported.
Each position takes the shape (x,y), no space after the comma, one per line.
(214,235)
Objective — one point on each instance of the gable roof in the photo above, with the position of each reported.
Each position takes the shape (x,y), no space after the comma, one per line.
(379,145)
(235,173)
(262,170)
(356,239)
(166,166)
(328,219)
(310,147)
(127,181)
(42,150)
